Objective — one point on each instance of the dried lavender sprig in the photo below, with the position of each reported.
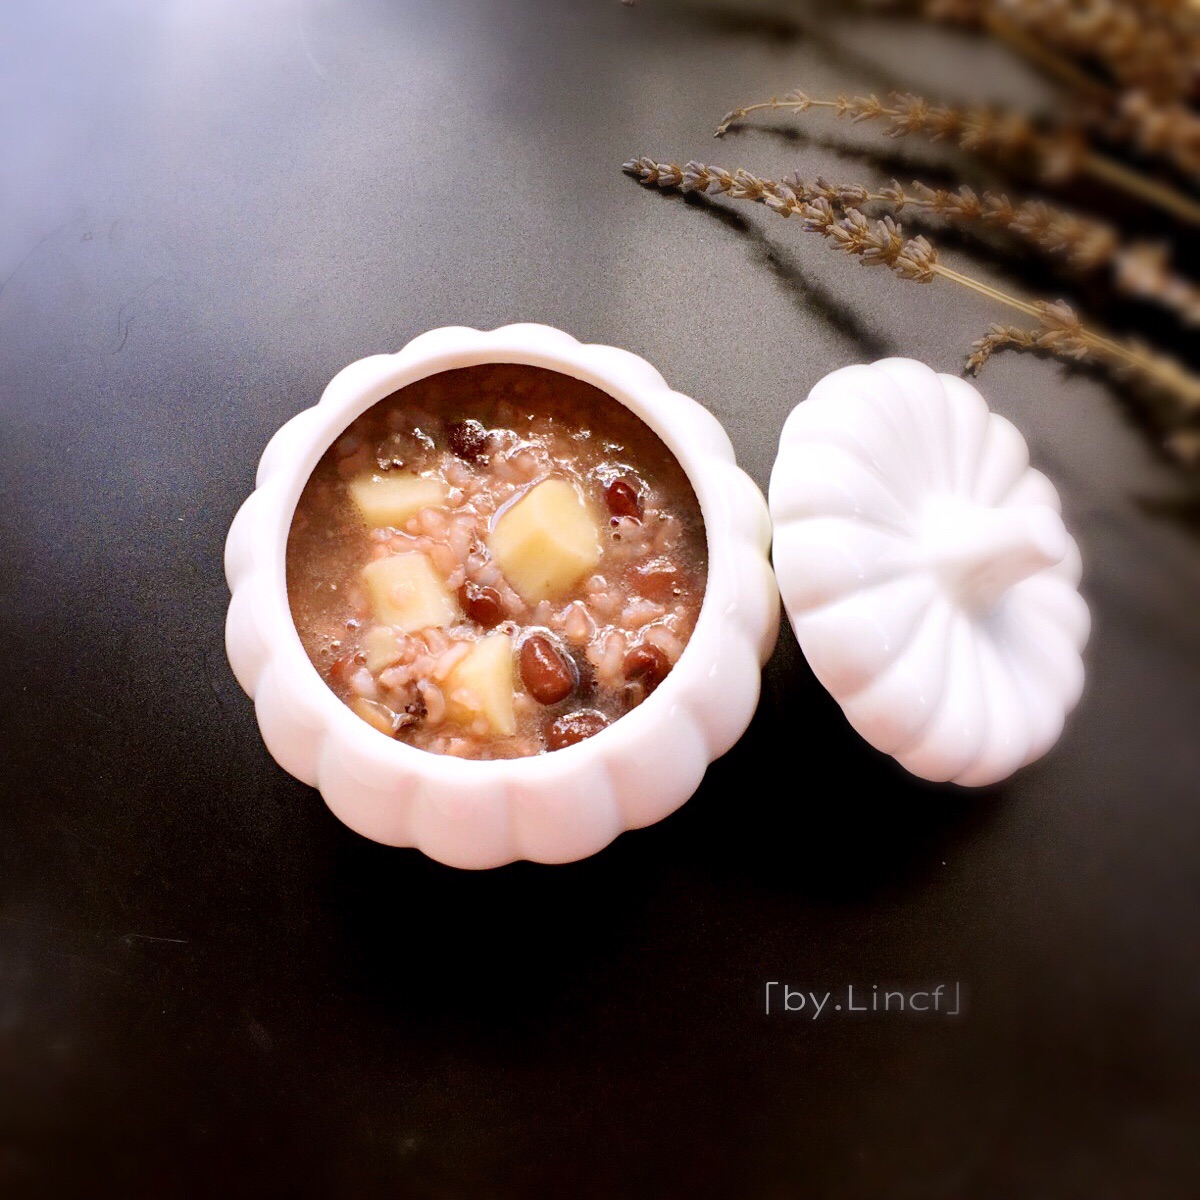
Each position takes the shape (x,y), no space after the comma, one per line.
(1059,335)
(1138,269)
(1062,334)
(1185,445)
(879,242)
(1139,45)
(1043,53)
(1085,243)
(1057,155)
(1150,46)
(1162,129)
(1147,108)
(882,242)
(1143,270)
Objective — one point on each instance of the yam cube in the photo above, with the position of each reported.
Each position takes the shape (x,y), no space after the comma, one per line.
(408,593)
(482,685)
(381,644)
(547,542)
(388,500)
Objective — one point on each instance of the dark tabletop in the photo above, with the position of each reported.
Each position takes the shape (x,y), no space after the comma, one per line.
(210,987)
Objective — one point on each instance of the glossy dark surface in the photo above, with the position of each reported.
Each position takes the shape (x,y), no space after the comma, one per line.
(208,986)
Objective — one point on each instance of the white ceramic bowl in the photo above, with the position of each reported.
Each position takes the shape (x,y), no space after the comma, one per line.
(551,808)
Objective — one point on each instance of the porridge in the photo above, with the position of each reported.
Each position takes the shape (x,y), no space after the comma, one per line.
(496,562)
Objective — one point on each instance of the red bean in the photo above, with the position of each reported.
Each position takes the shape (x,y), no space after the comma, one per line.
(623,499)
(646,665)
(468,439)
(547,673)
(481,604)
(573,728)
(657,580)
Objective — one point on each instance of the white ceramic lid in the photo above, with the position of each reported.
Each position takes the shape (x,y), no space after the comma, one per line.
(926,571)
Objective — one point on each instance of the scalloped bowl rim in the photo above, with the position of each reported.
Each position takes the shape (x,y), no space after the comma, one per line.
(690,433)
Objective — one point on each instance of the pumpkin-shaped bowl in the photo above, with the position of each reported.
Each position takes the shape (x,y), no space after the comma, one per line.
(927,572)
(554,807)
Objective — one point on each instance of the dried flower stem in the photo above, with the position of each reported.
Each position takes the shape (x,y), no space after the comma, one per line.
(1038,52)
(881,242)
(1143,45)
(1057,155)
(1138,269)
(1083,241)
(1126,179)
(1147,53)
(1148,58)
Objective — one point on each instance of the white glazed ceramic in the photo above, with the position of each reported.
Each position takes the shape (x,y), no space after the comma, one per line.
(926,571)
(555,807)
